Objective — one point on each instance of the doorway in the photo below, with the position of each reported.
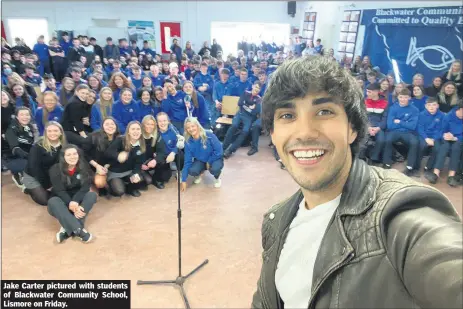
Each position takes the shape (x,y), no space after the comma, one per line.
(29,29)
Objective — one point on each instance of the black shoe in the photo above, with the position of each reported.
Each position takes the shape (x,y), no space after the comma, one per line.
(452,181)
(17,179)
(61,235)
(159,185)
(102,192)
(409,172)
(387,166)
(144,188)
(252,151)
(84,236)
(227,153)
(135,193)
(282,166)
(399,158)
(431,177)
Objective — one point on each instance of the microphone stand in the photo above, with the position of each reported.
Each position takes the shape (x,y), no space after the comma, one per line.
(180,280)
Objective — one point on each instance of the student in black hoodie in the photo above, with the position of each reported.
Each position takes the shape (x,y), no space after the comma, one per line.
(100,141)
(20,136)
(71,180)
(155,156)
(434,89)
(76,118)
(126,155)
(42,156)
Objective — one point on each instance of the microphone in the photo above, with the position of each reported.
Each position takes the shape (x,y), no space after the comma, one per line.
(187,100)
(180,142)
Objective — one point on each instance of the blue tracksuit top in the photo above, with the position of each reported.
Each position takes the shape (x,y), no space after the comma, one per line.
(174,106)
(146,109)
(65,46)
(35,80)
(137,83)
(157,81)
(419,103)
(125,113)
(253,78)
(149,51)
(453,124)
(170,139)
(221,89)
(430,126)
(201,79)
(263,89)
(195,150)
(42,51)
(408,116)
(211,70)
(188,73)
(201,112)
(96,119)
(33,105)
(240,87)
(117,92)
(54,115)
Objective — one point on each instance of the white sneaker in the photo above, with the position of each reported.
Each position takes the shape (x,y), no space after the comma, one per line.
(218,183)
(197,180)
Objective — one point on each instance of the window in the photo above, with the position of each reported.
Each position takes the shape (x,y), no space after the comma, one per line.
(29,29)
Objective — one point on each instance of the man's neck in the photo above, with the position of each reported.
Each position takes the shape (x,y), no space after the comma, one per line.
(316,198)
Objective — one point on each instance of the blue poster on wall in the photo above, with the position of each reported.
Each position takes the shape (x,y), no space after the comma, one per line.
(422,40)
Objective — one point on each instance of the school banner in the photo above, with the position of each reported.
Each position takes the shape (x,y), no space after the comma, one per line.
(422,40)
(142,31)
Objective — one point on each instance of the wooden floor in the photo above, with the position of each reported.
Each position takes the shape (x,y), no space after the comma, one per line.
(136,238)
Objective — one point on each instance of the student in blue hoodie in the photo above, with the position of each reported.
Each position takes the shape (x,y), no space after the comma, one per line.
(145,102)
(243,84)
(171,137)
(50,111)
(199,106)
(204,83)
(21,98)
(136,78)
(250,107)
(156,78)
(236,75)
(224,87)
(419,98)
(203,151)
(451,142)
(126,110)
(102,108)
(175,106)
(147,50)
(402,120)
(41,49)
(430,124)
(263,82)
(118,82)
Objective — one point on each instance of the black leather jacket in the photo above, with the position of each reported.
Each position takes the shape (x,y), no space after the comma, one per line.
(392,243)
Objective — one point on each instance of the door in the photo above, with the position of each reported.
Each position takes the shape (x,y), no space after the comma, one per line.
(169,31)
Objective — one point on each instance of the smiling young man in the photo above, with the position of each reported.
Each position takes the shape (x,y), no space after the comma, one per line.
(353,236)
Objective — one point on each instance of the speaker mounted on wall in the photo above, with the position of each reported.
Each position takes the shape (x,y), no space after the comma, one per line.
(292,8)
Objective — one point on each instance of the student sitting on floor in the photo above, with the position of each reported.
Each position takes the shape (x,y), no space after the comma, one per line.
(175,105)
(203,151)
(199,105)
(126,154)
(155,155)
(419,98)
(42,156)
(102,108)
(402,120)
(126,110)
(171,136)
(450,142)
(429,130)
(50,111)
(21,98)
(250,105)
(71,180)
(101,140)
(377,118)
(20,136)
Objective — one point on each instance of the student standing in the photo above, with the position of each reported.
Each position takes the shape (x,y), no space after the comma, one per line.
(126,110)
(110,51)
(58,59)
(41,49)
(173,140)
(50,111)
(102,108)
(42,156)
(71,180)
(126,154)
(203,151)
(76,52)
(198,104)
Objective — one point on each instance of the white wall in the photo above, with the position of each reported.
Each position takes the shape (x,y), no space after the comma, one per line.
(196,16)
(330,15)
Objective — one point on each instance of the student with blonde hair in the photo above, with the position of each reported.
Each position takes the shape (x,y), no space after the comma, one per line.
(173,140)
(447,97)
(203,151)
(102,108)
(455,75)
(50,111)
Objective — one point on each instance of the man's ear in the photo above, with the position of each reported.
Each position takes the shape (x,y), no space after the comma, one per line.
(352,135)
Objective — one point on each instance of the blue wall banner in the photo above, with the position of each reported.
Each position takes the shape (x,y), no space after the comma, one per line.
(422,40)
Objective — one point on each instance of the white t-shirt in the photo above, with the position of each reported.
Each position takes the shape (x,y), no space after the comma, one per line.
(293,277)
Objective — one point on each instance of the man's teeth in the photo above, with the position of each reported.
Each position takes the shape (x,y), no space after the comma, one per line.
(310,154)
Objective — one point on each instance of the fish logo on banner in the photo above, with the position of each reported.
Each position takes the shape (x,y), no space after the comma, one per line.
(445,57)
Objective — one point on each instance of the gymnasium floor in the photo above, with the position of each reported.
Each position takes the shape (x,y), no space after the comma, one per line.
(136,238)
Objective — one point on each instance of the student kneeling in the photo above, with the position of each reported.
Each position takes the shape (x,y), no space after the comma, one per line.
(202,151)
(250,108)
(71,179)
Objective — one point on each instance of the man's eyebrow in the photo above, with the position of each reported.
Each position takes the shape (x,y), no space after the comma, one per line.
(323,100)
(287,104)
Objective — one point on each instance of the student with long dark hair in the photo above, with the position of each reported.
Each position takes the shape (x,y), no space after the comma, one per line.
(126,154)
(171,137)
(126,109)
(155,156)
(66,91)
(145,103)
(203,151)
(95,84)
(50,111)
(22,98)
(158,97)
(175,106)
(20,136)
(147,83)
(101,139)
(419,98)
(102,108)
(71,180)
(200,108)
(42,156)
(434,89)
